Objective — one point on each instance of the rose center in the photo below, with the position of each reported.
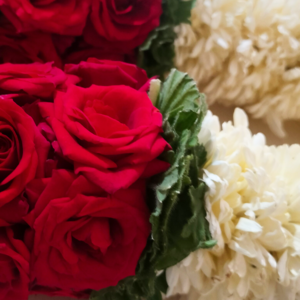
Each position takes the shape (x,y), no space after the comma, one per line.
(5,145)
(99,113)
(99,107)
(10,151)
(94,237)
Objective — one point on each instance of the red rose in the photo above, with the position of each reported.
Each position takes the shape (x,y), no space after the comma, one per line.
(26,47)
(85,239)
(81,51)
(77,55)
(35,79)
(62,42)
(14,271)
(112,134)
(23,152)
(106,73)
(63,17)
(55,159)
(14,211)
(123,24)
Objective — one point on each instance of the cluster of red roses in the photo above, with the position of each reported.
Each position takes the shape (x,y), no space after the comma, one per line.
(69,31)
(76,147)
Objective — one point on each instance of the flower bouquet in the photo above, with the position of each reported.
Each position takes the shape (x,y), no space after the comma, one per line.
(252,203)
(101,186)
(245,53)
(115,185)
(71,31)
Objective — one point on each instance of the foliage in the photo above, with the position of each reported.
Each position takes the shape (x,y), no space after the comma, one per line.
(157,53)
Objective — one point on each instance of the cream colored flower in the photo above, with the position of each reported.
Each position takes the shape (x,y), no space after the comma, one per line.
(253,207)
(245,53)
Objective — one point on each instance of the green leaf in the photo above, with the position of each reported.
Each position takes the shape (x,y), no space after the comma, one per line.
(179,225)
(151,37)
(180,11)
(196,224)
(157,53)
(179,93)
(161,282)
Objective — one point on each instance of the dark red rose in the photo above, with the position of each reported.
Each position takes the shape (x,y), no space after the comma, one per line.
(121,24)
(25,83)
(85,239)
(35,79)
(24,48)
(55,159)
(33,110)
(82,51)
(112,134)
(106,73)
(14,211)
(23,152)
(63,17)
(14,267)
(78,55)
(62,42)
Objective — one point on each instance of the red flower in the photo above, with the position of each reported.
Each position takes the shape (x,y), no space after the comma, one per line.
(14,267)
(62,42)
(27,47)
(106,73)
(55,159)
(121,24)
(83,52)
(112,134)
(85,239)
(23,152)
(35,79)
(63,17)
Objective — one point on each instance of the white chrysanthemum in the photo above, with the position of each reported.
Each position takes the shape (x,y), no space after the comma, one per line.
(253,206)
(245,53)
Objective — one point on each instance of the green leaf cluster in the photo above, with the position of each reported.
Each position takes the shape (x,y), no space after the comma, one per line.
(179,225)
(157,53)
(176,197)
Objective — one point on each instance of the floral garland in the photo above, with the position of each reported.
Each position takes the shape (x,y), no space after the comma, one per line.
(253,210)
(116,186)
(245,53)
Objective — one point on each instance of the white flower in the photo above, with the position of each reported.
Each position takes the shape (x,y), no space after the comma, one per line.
(245,53)
(253,207)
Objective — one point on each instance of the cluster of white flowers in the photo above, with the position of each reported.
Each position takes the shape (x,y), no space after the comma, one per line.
(245,53)
(253,207)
